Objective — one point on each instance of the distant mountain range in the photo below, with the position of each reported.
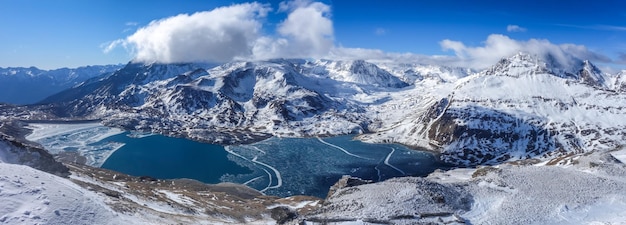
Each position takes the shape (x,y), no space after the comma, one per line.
(20,85)
(524,106)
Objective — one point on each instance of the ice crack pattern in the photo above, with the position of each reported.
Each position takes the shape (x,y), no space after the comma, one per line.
(292,166)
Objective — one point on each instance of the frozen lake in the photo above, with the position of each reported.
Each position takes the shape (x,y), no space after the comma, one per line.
(276,166)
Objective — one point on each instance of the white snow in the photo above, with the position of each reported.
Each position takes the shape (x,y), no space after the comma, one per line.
(590,192)
(30,196)
(388,164)
(620,155)
(279,179)
(80,137)
(46,130)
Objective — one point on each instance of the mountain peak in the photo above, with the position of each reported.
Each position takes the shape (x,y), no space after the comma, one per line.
(523,64)
(590,74)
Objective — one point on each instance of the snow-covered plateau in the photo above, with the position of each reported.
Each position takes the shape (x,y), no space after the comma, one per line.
(538,141)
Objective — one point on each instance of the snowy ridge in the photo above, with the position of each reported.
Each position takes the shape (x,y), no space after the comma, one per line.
(412,73)
(357,71)
(619,82)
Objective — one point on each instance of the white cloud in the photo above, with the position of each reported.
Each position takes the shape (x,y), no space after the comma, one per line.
(341,53)
(219,35)
(108,47)
(499,46)
(515,28)
(235,33)
(307,32)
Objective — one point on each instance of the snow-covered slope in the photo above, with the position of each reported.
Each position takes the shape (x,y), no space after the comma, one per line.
(31,196)
(519,108)
(357,71)
(619,82)
(415,72)
(14,81)
(590,192)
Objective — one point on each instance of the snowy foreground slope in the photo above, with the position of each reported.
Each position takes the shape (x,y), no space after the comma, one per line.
(31,196)
(590,192)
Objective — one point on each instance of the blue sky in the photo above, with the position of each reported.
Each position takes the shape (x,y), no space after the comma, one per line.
(71,33)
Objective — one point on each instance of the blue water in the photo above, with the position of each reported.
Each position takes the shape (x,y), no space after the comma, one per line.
(167,158)
(305,166)
(309,167)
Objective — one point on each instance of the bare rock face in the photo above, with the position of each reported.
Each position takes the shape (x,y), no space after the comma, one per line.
(480,136)
(345,182)
(283,214)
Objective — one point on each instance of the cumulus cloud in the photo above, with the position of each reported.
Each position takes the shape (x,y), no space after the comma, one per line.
(515,28)
(341,53)
(236,33)
(233,32)
(306,32)
(219,35)
(499,46)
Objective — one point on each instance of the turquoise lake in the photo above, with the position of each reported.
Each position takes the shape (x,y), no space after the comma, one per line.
(167,158)
(276,166)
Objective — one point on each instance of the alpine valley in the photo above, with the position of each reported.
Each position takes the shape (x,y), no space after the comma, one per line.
(533,140)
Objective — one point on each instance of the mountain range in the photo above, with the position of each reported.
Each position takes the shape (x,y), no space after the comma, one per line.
(21,85)
(523,107)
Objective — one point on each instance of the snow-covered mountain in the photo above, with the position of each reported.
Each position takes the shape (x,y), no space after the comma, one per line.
(520,108)
(524,106)
(20,85)
(357,71)
(619,82)
(234,102)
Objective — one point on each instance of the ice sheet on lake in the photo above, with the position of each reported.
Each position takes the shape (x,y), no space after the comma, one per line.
(81,137)
(309,166)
